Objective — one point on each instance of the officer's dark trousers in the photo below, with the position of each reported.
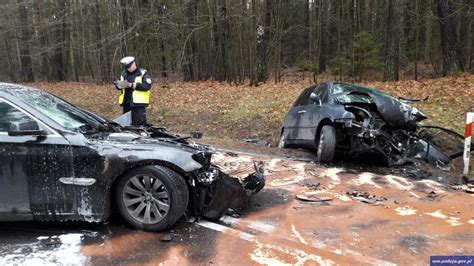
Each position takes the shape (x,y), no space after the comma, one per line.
(138,114)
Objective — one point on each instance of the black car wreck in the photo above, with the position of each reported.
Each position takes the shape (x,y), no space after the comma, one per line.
(343,118)
(60,162)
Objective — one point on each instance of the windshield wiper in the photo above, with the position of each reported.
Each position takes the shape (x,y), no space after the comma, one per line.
(79,115)
(86,128)
(103,121)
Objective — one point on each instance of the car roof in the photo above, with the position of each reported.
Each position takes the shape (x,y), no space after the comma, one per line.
(9,87)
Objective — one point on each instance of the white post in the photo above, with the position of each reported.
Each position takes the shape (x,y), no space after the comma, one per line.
(467,142)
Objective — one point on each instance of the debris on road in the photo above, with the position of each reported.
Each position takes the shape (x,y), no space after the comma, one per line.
(167,237)
(366,197)
(311,186)
(233,154)
(258,142)
(432,196)
(468,188)
(233,213)
(312,198)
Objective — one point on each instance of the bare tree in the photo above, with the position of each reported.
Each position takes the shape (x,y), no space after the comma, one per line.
(449,43)
(25,56)
(392,45)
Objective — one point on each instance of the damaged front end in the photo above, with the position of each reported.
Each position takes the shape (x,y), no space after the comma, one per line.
(212,192)
(378,124)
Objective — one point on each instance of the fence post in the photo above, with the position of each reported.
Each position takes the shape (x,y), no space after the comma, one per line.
(467,141)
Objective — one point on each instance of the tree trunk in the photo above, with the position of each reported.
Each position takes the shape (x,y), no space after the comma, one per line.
(192,47)
(263,40)
(417,33)
(306,27)
(58,62)
(317,54)
(451,58)
(392,45)
(253,44)
(25,55)
(465,34)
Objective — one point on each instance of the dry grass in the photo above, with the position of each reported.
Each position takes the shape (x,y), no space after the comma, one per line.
(238,112)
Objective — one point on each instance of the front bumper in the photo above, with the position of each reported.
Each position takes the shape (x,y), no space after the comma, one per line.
(212,199)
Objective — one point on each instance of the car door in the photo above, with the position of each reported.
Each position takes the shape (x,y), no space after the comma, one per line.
(295,114)
(311,117)
(31,167)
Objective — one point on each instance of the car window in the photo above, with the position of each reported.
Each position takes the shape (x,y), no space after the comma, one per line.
(10,115)
(303,99)
(322,92)
(56,109)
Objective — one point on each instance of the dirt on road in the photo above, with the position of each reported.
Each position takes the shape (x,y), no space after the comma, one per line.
(310,213)
(307,214)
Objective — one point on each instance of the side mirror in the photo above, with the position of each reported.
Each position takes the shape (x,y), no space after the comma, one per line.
(196,134)
(30,128)
(315,98)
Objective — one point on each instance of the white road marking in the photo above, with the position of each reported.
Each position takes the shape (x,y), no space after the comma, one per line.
(298,235)
(262,226)
(227,230)
(257,255)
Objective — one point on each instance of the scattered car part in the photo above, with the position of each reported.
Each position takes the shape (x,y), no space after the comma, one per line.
(411,100)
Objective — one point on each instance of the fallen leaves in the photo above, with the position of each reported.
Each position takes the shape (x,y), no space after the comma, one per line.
(240,112)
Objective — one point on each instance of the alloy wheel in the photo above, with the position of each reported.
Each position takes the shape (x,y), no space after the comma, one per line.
(146,199)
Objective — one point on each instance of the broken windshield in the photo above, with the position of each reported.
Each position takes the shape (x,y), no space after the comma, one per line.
(348,88)
(63,113)
(354,98)
(356,94)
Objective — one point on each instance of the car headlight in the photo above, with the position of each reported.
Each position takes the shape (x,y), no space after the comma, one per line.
(204,158)
(208,176)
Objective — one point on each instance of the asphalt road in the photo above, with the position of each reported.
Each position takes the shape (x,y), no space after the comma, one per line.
(342,216)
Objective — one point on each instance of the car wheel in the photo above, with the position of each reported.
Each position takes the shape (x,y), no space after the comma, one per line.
(282,143)
(326,144)
(152,197)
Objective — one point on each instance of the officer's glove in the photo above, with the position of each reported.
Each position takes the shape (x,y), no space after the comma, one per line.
(123,84)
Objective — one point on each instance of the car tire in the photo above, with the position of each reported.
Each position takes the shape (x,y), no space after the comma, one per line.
(326,144)
(282,143)
(152,197)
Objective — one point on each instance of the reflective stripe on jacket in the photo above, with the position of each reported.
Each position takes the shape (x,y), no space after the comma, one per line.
(138,96)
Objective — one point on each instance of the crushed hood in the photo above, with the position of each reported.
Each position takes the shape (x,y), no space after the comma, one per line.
(397,114)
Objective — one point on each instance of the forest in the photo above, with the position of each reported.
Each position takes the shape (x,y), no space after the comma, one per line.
(241,41)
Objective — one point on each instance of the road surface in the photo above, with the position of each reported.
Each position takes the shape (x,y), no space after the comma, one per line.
(307,214)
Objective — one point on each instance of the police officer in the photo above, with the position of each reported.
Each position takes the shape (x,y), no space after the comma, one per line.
(134,85)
